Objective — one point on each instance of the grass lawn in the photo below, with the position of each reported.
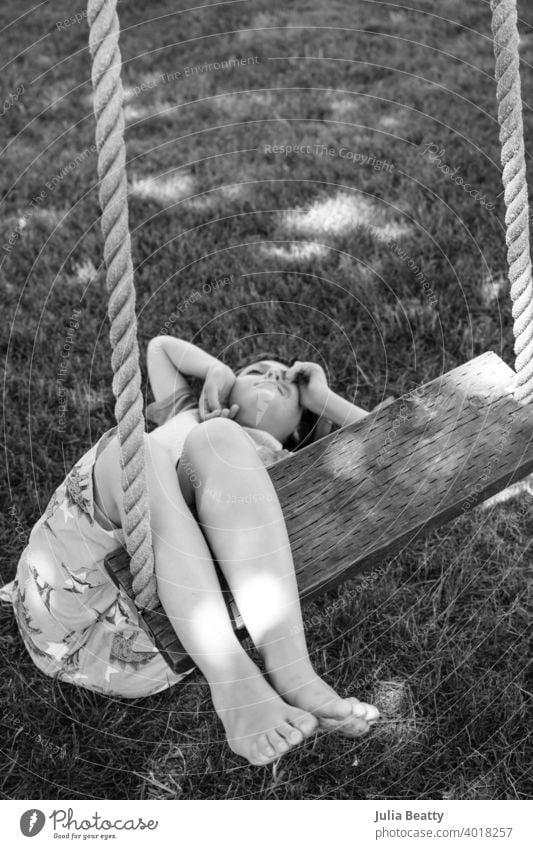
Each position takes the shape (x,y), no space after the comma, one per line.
(317,244)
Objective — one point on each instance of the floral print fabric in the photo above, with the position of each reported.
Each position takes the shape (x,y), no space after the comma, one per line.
(76,624)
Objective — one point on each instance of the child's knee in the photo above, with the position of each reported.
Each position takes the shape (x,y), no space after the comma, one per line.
(220,436)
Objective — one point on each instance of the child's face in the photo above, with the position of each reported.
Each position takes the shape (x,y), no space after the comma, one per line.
(266,399)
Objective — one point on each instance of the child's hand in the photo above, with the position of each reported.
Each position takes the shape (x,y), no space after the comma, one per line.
(223,413)
(215,393)
(312,384)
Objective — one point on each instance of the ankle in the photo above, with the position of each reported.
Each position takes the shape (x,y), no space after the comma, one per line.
(242,674)
(280,647)
(282,666)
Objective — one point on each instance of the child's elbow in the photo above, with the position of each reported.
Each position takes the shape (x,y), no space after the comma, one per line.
(156,343)
(156,351)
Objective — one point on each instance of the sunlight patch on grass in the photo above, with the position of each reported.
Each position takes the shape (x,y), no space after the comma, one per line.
(135,112)
(336,215)
(492,288)
(523,487)
(217,193)
(340,215)
(154,108)
(165,189)
(49,217)
(390,230)
(388,122)
(296,252)
(23,222)
(345,108)
(85,272)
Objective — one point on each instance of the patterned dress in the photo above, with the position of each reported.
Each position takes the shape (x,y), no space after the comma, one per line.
(76,624)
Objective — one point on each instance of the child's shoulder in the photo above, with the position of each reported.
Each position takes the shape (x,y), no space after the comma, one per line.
(180,401)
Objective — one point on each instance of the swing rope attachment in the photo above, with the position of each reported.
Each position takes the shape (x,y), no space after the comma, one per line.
(508,93)
(108,96)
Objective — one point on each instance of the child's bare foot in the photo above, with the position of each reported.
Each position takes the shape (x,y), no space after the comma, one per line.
(259,725)
(300,686)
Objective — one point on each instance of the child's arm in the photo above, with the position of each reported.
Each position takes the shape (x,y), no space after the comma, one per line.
(340,411)
(316,395)
(171,360)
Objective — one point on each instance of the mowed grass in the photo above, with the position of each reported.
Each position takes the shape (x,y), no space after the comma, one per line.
(439,639)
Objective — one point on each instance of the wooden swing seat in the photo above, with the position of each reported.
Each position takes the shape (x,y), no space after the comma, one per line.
(368,490)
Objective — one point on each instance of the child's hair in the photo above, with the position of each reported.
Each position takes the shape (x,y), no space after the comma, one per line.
(311,426)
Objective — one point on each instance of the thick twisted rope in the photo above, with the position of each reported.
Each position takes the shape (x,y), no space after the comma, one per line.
(108,94)
(505,35)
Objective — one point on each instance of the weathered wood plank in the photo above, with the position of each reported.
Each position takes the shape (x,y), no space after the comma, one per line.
(368,490)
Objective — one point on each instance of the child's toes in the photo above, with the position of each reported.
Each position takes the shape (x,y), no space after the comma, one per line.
(339,709)
(351,727)
(334,710)
(277,742)
(258,759)
(362,710)
(372,713)
(263,750)
(354,727)
(292,735)
(359,729)
(305,722)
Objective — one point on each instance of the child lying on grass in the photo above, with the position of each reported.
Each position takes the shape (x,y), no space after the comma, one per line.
(210,495)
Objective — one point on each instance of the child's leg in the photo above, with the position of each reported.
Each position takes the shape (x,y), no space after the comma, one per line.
(259,725)
(243,522)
